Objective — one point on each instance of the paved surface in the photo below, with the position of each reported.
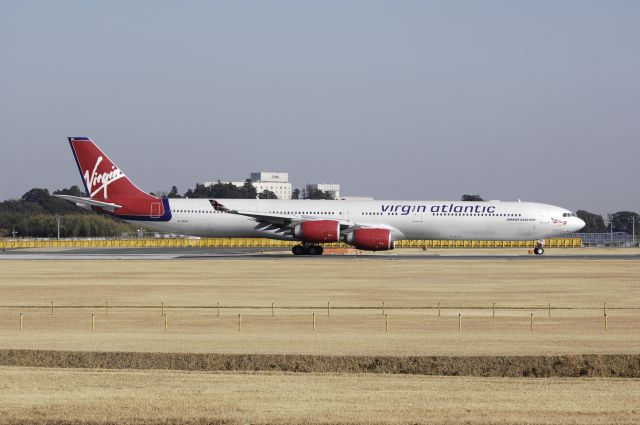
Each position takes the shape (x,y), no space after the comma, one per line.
(278,253)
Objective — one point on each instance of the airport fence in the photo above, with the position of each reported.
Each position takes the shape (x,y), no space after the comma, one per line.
(37,317)
(614,239)
(265,243)
(327,308)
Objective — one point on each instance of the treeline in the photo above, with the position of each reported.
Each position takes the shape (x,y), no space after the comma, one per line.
(71,226)
(37,213)
(224,190)
(622,221)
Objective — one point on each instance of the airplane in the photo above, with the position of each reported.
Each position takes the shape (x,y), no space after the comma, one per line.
(369,225)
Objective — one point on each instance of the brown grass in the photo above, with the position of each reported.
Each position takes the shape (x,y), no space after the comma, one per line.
(301,282)
(614,365)
(344,342)
(73,396)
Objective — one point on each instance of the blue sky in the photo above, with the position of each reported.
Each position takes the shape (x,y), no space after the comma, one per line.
(397,100)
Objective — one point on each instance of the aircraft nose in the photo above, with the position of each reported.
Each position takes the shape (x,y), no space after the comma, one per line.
(579,224)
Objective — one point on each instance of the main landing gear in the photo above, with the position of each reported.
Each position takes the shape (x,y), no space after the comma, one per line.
(539,249)
(307,249)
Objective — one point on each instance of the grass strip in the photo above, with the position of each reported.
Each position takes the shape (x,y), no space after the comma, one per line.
(562,366)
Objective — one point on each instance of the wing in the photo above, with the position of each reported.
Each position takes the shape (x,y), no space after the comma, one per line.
(284,220)
(291,220)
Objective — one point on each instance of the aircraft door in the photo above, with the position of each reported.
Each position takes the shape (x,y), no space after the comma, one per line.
(155,209)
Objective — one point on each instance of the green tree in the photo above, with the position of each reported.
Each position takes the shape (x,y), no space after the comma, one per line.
(19,206)
(623,221)
(248,190)
(200,191)
(267,194)
(223,190)
(36,195)
(295,194)
(173,193)
(594,223)
(73,191)
(47,202)
(310,192)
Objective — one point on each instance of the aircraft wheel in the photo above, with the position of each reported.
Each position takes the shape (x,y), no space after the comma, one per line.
(538,250)
(298,250)
(314,250)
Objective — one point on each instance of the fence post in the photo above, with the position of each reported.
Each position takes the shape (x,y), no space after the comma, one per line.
(549,310)
(493,314)
(386,323)
(106,306)
(382,307)
(165,323)
(52,308)
(531,323)
(20,322)
(438,309)
(218,309)
(239,322)
(605,322)
(272,312)
(459,322)
(162,308)
(328,308)
(314,322)
(93,323)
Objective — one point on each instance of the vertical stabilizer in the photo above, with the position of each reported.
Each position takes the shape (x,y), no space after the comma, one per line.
(105,182)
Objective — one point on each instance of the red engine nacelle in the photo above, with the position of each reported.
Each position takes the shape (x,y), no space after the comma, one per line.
(318,231)
(371,239)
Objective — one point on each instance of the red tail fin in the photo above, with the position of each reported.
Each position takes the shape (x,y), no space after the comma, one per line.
(105,182)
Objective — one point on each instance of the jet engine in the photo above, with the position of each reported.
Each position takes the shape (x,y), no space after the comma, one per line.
(370,239)
(318,231)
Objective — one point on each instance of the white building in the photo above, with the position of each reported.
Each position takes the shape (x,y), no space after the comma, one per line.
(275,182)
(332,188)
(268,176)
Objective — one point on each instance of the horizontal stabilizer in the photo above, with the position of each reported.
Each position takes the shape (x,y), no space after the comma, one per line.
(89,202)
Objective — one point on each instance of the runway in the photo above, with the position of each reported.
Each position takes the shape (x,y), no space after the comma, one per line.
(558,254)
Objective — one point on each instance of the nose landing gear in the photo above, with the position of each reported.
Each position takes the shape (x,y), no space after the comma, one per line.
(539,249)
(307,249)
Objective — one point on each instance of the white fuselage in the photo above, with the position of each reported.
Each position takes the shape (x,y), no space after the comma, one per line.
(417,220)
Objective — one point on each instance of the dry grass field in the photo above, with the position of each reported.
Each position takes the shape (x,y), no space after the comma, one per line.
(576,290)
(458,285)
(148,397)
